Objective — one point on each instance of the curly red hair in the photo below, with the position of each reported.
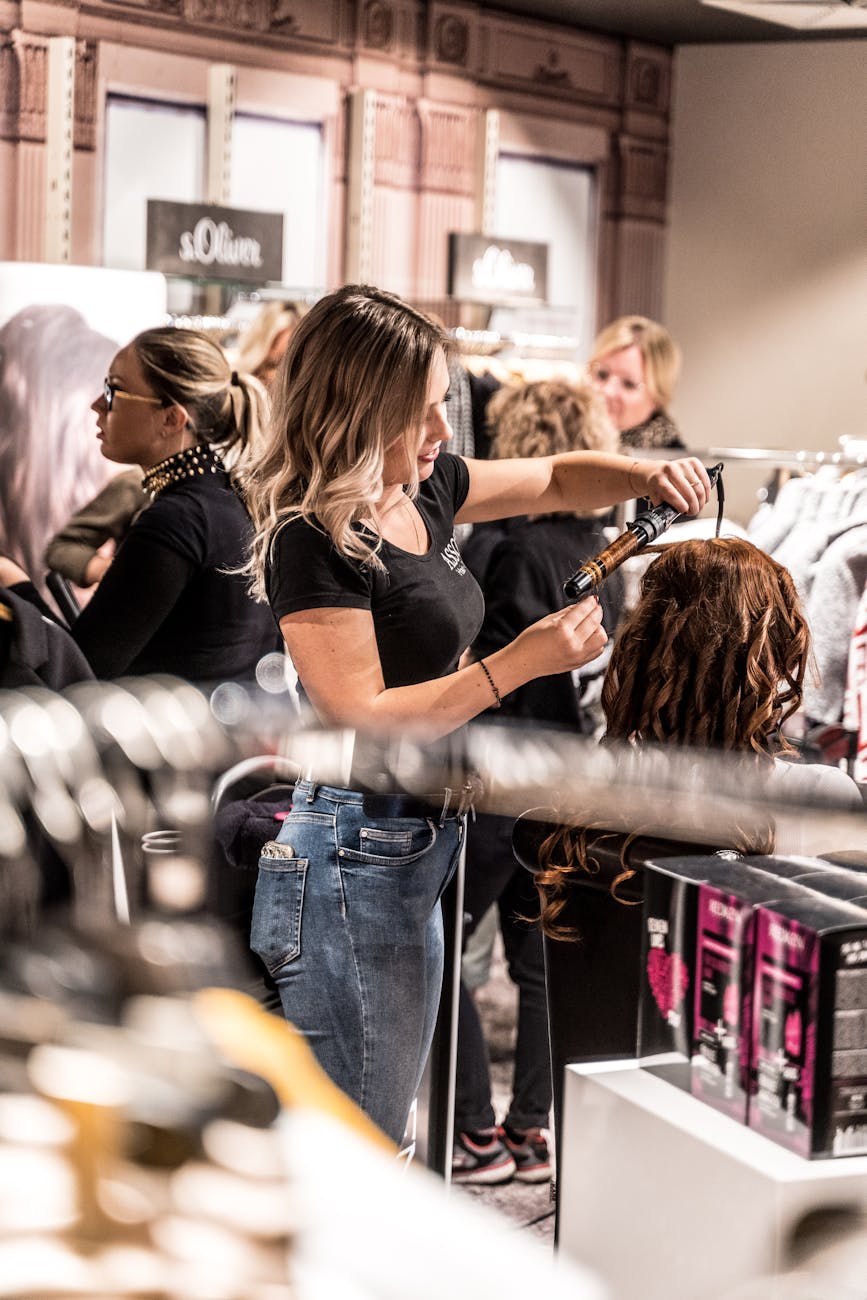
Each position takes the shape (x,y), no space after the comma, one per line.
(714,654)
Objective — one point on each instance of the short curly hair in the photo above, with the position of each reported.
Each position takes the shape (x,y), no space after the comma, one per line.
(549,416)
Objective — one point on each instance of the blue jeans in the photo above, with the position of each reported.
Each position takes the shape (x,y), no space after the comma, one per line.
(347,920)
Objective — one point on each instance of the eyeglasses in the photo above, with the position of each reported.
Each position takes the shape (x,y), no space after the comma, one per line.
(110,391)
(601,375)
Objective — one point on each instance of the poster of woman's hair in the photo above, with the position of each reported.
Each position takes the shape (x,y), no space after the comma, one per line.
(54,355)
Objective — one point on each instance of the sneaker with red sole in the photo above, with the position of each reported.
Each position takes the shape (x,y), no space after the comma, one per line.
(481,1157)
(529,1150)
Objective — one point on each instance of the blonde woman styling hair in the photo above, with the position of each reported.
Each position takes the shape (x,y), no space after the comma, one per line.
(355,500)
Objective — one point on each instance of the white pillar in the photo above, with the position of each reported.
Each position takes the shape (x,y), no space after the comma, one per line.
(221,116)
(60,123)
(360,158)
(488,152)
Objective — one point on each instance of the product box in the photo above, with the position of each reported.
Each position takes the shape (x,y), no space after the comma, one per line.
(667,990)
(725,934)
(808,1076)
(848,884)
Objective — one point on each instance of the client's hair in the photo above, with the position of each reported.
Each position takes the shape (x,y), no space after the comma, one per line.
(712,657)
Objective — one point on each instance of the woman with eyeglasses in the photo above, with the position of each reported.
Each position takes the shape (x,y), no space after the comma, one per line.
(635,365)
(172,600)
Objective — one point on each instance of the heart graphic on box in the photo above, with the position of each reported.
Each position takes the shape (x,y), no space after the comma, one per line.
(669,979)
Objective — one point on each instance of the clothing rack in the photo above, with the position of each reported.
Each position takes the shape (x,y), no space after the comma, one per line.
(778,458)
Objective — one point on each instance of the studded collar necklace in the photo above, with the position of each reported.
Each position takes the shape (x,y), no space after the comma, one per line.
(191,463)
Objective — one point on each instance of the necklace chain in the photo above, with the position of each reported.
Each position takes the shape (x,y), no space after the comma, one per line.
(404,503)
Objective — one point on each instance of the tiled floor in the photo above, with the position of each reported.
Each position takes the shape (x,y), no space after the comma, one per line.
(529,1206)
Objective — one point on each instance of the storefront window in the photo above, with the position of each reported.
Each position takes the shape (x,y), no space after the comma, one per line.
(277,166)
(153,151)
(553,203)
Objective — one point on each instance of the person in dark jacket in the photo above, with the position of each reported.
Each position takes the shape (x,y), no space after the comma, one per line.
(35,650)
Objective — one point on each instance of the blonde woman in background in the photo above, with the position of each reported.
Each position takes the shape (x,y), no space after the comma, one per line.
(262,345)
(635,365)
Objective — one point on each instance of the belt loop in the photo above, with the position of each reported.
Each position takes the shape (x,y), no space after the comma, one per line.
(311,793)
(471,790)
(447,798)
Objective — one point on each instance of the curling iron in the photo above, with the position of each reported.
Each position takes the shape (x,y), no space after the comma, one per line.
(643,529)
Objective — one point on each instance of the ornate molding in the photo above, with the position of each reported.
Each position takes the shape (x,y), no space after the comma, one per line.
(397,142)
(377,25)
(9,91)
(249,15)
(305,23)
(451,40)
(551,73)
(643,179)
(84,136)
(647,86)
(24,90)
(282,16)
(449,140)
(30,89)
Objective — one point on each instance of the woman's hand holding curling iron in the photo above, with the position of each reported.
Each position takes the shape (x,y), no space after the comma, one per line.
(684,484)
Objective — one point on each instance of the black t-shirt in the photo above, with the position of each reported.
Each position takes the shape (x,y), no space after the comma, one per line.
(169,602)
(426,608)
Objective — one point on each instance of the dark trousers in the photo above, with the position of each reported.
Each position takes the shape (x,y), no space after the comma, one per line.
(494,876)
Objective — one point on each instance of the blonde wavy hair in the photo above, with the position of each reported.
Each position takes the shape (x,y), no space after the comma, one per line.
(658,349)
(255,344)
(354,382)
(227,410)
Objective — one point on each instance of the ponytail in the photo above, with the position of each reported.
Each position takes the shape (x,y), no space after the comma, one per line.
(228,411)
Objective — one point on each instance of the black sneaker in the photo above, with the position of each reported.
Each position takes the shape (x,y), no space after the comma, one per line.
(530,1153)
(481,1157)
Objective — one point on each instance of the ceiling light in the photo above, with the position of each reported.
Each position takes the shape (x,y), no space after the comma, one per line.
(830,15)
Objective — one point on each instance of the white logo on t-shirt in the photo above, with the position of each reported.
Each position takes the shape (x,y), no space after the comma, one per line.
(452,557)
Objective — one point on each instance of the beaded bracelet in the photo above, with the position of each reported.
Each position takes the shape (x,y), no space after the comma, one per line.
(486,670)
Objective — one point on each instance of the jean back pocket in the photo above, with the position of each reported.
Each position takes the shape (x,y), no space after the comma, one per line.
(275,932)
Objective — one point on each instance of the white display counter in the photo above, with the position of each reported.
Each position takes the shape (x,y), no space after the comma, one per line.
(665,1198)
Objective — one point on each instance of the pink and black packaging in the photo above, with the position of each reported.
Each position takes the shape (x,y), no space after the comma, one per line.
(667,993)
(724,955)
(808,1077)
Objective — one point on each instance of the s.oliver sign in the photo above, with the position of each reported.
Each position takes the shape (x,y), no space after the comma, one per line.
(486,269)
(212,242)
